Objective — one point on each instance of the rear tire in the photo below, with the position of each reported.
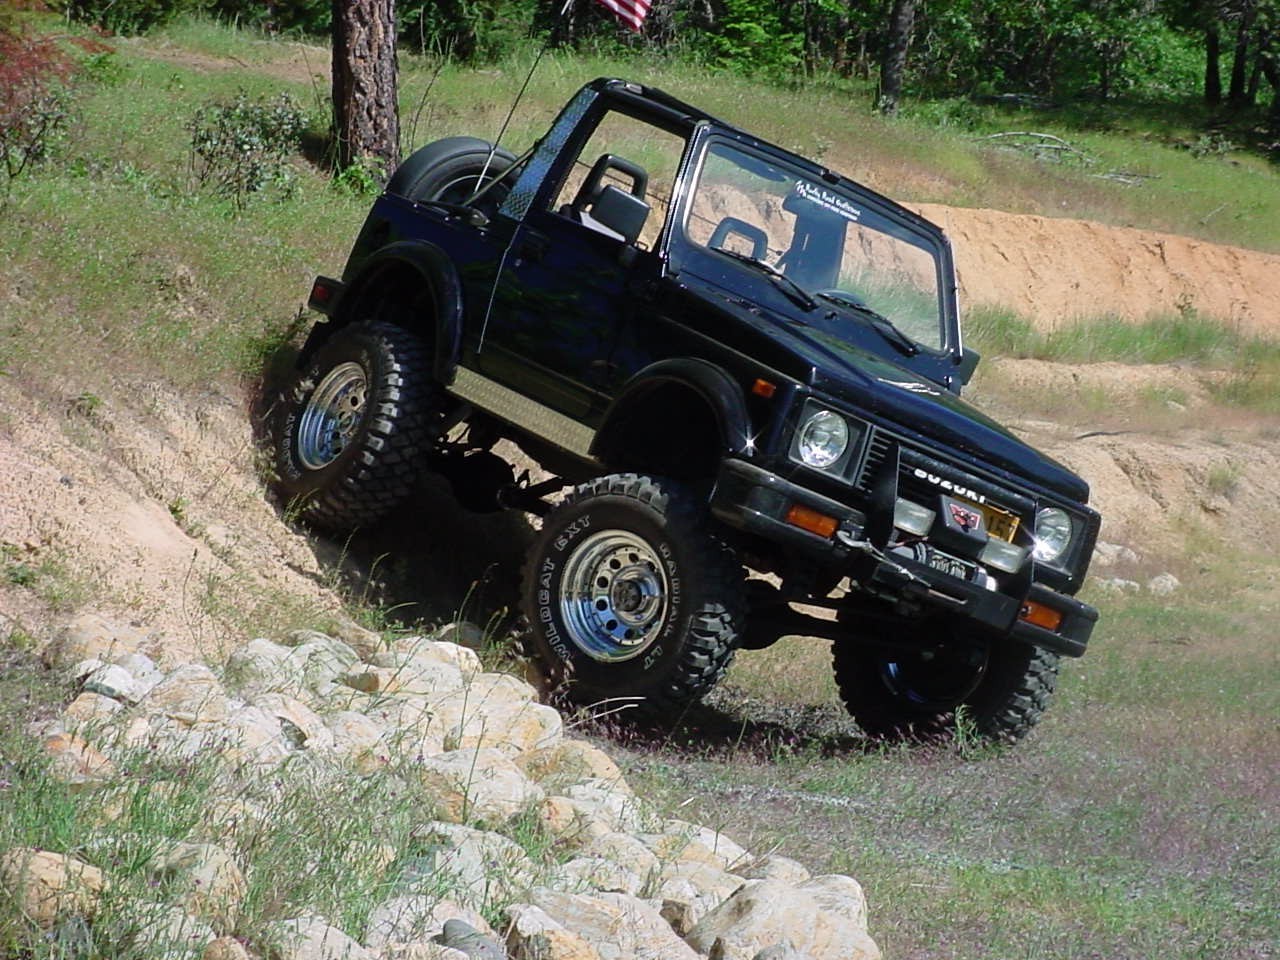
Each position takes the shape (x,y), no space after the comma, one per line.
(1003,686)
(450,170)
(352,431)
(628,594)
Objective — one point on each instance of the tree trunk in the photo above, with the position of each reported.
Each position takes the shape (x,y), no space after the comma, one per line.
(366,118)
(1212,65)
(1236,95)
(894,65)
(1271,70)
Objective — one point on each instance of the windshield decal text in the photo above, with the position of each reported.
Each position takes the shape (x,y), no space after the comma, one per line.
(828,200)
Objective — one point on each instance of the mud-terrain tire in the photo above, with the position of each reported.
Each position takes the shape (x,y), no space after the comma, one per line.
(352,431)
(1004,687)
(628,594)
(449,170)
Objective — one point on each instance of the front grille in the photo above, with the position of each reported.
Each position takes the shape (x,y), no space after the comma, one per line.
(878,449)
(1005,511)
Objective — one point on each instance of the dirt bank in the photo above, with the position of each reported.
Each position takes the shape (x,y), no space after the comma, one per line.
(1053,271)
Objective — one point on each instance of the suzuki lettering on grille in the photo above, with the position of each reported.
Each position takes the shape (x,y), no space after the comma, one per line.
(960,491)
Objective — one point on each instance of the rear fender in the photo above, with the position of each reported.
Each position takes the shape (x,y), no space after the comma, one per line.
(392,284)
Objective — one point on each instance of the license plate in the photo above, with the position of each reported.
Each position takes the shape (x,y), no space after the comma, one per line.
(950,565)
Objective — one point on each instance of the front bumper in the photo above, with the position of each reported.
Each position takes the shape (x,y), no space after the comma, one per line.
(757,501)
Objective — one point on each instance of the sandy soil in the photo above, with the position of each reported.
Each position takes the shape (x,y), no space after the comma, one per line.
(1053,271)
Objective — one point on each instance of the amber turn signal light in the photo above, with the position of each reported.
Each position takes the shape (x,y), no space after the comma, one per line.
(1040,615)
(763,388)
(811,520)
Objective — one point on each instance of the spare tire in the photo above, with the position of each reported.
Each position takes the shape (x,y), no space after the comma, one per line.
(451,170)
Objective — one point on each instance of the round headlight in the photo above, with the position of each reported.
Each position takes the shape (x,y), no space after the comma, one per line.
(823,439)
(1053,534)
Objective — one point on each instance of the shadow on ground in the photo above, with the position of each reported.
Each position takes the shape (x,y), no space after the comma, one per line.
(728,725)
(431,560)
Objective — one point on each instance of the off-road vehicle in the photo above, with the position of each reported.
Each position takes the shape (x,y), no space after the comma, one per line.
(733,359)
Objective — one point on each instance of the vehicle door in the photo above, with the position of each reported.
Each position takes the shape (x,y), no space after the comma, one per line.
(576,263)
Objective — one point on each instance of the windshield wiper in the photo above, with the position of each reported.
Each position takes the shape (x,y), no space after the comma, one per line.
(792,290)
(879,322)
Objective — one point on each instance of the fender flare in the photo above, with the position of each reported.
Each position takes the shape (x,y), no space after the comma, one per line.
(436,270)
(722,394)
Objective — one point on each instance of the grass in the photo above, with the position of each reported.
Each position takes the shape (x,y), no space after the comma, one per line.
(1252,363)
(1137,821)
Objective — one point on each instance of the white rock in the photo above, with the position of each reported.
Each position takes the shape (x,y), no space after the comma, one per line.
(533,935)
(459,656)
(774,866)
(500,718)
(115,682)
(210,882)
(301,725)
(311,938)
(765,913)
(420,676)
(596,875)
(1113,554)
(415,918)
(254,736)
(261,666)
(476,785)
(1118,585)
(568,761)
(167,930)
(477,867)
(1164,585)
(190,694)
(726,852)
(325,659)
(619,927)
(608,802)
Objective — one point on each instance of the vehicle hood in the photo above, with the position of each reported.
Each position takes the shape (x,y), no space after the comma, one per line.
(858,374)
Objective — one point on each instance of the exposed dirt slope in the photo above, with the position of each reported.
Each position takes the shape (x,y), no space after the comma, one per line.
(151,504)
(1053,270)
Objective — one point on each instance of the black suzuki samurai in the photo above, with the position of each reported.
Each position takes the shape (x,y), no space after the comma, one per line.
(733,357)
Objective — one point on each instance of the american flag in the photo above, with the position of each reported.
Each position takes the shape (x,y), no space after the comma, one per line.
(629,12)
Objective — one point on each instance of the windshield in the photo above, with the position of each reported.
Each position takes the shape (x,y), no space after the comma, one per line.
(821,237)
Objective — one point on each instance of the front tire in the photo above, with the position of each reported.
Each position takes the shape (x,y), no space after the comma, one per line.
(1003,686)
(629,595)
(352,431)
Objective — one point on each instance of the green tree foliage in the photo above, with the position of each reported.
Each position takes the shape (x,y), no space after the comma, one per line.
(1223,50)
(130,17)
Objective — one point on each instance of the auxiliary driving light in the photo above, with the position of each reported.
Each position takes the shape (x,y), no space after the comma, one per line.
(912,517)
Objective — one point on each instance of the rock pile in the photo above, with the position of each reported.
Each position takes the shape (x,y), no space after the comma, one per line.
(607,877)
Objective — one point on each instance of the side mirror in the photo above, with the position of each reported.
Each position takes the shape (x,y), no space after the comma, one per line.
(967,363)
(620,212)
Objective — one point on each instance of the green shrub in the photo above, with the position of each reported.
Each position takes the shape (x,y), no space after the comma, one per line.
(243,147)
(130,17)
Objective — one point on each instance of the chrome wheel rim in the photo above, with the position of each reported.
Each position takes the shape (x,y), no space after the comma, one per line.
(614,596)
(332,416)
